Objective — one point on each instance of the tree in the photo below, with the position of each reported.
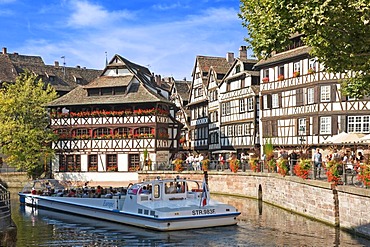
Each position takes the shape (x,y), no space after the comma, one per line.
(24,134)
(338,31)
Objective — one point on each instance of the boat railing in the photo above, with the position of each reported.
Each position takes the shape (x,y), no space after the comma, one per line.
(5,208)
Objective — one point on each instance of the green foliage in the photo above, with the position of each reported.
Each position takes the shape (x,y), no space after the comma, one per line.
(24,134)
(269,150)
(337,30)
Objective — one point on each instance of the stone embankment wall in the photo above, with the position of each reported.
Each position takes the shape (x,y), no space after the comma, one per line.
(14,179)
(343,206)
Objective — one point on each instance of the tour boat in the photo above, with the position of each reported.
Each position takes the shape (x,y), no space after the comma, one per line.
(160,204)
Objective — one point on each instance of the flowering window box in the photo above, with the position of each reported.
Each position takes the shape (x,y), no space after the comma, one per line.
(265,79)
(296,73)
(280,77)
(311,71)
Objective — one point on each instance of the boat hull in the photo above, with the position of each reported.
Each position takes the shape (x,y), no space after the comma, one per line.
(108,209)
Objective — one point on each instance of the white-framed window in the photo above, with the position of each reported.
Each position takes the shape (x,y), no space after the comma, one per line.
(312,64)
(275,100)
(358,124)
(229,130)
(281,71)
(241,105)
(247,129)
(301,126)
(325,125)
(297,67)
(265,102)
(310,95)
(325,93)
(240,130)
(250,105)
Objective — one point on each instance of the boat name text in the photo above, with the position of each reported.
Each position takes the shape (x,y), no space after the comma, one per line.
(108,204)
(203,211)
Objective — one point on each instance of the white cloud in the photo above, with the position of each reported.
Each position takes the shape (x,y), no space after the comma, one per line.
(6,1)
(86,14)
(166,6)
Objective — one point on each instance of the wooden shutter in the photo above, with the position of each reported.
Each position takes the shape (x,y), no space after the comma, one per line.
(333,92)
(299,97)
(315,125)
(280,100)
(269,101)
(316,95)
(334,125)
(308,126)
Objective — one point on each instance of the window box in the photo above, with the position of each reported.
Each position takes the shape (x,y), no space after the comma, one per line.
(296,73)
(311,71)
(265,79)
(280,77)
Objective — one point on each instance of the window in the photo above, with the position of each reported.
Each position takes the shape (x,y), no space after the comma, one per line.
(358,124)
(92,165)
(122,131)
(230,130)
(275,100)
(312,65)
(225,109)
(265,102)
(265,73)
(69,163)
(241,105)
(112,163)
(281,71)
(119,90)
(310,96)
(301,126)
(247,129)
(93,92)
(297,67)
(325,93)
(134,162)
(325,125)
(101,132)
(237,69)
(240,130)
(250,104)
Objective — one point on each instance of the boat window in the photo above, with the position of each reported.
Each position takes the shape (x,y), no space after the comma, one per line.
(156,191)
(175,187)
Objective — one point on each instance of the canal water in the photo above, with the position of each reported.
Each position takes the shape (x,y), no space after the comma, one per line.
(259,225)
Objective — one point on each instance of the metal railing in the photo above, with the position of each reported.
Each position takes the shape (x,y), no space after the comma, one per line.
(5,208)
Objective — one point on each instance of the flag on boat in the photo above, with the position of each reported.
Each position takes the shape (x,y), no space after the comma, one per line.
(204,200)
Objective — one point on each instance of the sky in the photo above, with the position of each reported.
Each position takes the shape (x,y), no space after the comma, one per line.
(165,36)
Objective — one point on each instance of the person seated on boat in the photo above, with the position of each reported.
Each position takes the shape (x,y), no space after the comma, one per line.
(33,191)
(72,193)
(144,190)
(171,189)
(85,187)
(178,188)
(85,194)
(98,191)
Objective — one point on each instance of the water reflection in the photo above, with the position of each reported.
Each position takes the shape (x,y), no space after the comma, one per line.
(259,225)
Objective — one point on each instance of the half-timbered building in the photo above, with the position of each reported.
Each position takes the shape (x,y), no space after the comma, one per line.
(301,103)
(179,94)
(239,105)
(114,124)
(206,70)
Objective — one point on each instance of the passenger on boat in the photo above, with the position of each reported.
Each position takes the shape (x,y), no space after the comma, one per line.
(98,191)
(171,188)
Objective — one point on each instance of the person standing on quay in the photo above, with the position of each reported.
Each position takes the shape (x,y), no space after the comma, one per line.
(317,160)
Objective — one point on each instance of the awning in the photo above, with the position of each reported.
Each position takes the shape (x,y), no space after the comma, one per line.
(345,138)
(223,151)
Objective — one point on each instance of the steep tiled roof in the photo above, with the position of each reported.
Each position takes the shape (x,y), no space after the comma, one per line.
(219,64)
(140,88)
(280,57)
(183,89)
(63,79)
(110,81)
(137,94)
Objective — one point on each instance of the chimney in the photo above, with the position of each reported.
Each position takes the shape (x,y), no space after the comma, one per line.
(56,64)
(4,50)
(158,80)
(243,53)
(230,57)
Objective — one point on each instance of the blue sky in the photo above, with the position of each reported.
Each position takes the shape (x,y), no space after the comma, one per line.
(165,36)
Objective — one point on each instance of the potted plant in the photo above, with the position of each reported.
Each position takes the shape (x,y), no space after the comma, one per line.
(302,168)
(364,174)
(265,79)
(334,170)
(234,164)
(296,73)
(280,77)
(271,165)
(282,166)
(254,165)
(178,164)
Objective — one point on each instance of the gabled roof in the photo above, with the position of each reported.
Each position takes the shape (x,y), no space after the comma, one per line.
(138,83)
(182,88)
(63,79)
(219,64)
(249,63)
(281,57)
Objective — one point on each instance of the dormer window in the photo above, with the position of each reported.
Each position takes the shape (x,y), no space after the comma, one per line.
(237,69)
(51,78)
